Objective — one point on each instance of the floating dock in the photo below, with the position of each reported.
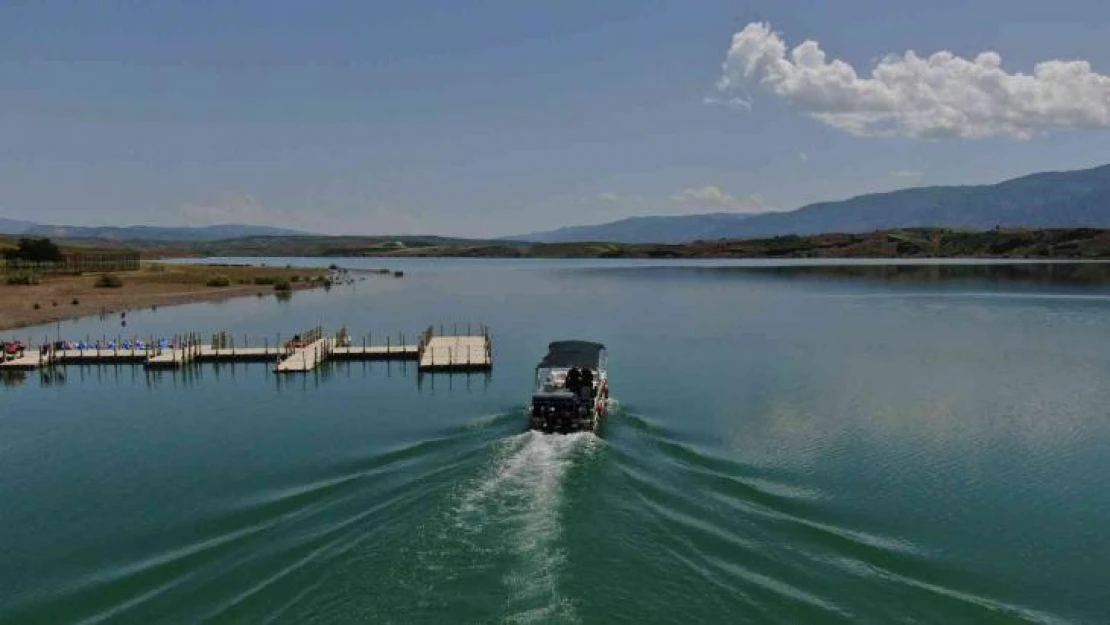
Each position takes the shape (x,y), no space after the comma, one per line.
(432,352)
(457,353)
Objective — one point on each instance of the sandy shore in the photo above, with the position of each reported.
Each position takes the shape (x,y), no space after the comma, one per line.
(70,297)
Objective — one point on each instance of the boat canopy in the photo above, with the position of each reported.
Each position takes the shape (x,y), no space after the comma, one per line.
(566,354)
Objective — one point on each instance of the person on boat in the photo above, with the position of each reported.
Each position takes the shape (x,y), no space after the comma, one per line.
(574,380)
(587,383)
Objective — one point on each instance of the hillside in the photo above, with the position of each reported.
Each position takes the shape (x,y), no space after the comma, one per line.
(644,229)
(15,226)
(1073,199)
(1079,243)
(157,233)
(140,233)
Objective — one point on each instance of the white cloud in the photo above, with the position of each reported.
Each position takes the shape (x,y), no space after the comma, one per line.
(942,95)
(906,173)
(804,157)
(609,197)
(711,196)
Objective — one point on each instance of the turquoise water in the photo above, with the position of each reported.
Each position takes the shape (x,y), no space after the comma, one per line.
(861,443)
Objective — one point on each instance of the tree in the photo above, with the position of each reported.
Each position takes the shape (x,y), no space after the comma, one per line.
(35,250)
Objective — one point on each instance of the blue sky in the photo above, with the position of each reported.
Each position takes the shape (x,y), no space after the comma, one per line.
(506,116)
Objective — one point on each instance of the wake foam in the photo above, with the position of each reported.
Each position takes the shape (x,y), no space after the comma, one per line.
(517,503)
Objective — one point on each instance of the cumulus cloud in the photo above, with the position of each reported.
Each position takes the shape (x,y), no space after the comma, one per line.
(906,173)
(942,95)
(609,197)
(711,196)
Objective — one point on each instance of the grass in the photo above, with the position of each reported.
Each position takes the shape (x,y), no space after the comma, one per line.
(218,281)
(24,278)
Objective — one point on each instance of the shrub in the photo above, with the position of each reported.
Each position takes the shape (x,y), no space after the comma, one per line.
(265,280)
(36,250)
(219,281)
(283,286)
(333,267)
(75,301)
(108,281)
(36,306)
(296,279)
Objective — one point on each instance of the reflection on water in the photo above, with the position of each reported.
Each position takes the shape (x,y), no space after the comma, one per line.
(1015,274)
(802,443)
(195,375)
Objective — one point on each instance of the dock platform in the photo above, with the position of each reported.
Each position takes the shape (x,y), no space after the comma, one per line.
(432,352)
(457,353)
(31,359)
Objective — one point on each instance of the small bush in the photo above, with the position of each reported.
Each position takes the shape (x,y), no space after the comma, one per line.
(295,279)
(283,286)
(36,306)
(333,267)
(75,301)
(219,281)
(24,278)
(265,280)
(108,281)
(54,304)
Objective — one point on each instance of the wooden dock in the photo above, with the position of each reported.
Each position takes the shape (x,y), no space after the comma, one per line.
(390,352)
(31,359)
(170,358)
(455,352)
(305,359)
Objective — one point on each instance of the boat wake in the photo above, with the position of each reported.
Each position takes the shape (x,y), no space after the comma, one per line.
(516,504)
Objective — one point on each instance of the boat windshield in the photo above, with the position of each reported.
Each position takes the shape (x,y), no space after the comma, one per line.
(548,379)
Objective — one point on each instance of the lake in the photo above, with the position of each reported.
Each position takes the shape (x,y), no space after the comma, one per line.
(840,442)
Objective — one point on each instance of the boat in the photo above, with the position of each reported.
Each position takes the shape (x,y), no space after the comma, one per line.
(572,388)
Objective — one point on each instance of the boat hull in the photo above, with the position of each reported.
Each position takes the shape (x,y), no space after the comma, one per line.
(563,413)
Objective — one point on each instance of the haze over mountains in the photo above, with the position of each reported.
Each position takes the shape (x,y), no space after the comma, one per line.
(1045,200)
(141,233)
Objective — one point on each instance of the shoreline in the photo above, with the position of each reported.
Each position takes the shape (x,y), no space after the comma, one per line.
(68,298)
(73,313)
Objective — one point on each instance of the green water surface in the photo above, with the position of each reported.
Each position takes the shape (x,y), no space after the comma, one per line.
(863,444)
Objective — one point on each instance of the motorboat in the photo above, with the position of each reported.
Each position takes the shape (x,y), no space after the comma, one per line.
(572,388)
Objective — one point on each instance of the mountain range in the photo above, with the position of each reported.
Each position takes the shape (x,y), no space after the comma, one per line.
(1072,199)
(1045,200)
(141,233)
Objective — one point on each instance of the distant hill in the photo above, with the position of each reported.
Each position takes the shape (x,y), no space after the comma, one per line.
(15,226)
(1071,199)
(644,229)
(143,233)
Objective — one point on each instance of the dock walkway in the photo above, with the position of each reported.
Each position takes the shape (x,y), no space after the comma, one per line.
(305,359)
(31,359)
(432,353)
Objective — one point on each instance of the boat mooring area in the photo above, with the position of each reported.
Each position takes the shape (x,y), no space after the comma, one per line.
(460,350)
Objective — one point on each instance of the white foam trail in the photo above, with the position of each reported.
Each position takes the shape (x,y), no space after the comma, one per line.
(519,499)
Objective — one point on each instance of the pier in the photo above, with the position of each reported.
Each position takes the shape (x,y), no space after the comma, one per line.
(432,351)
